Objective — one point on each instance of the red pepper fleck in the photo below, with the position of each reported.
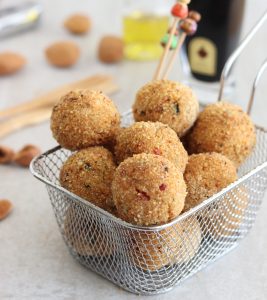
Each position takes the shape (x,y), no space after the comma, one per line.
(123,172)
(143,195)
(163,187)
(157,151)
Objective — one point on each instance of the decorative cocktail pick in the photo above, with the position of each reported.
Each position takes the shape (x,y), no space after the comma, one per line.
(174,40)
(188,27)
(179,12)
(195,15)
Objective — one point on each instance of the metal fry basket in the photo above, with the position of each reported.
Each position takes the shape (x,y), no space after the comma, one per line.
(152,260)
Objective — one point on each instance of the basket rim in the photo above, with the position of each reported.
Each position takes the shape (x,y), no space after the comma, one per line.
(108,215)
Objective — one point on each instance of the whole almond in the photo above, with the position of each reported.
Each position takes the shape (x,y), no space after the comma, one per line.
(11,63)
(6,155)
(24,157)
(63,54)
(5,208)
(110,49)
(78,24)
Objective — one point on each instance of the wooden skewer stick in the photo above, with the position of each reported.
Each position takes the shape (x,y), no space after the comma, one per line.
(27,119)
(173,56)
(98,82)
(179,12)
(166,50)
(188,27)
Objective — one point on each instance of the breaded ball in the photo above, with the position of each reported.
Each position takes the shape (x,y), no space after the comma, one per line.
(226,129)
(84,118)
(88,173)
(78,24)
(176,244)
(87,238)
(225,219)
(63,54)
(148,137)
(148,190)
(205,175)
(168,102)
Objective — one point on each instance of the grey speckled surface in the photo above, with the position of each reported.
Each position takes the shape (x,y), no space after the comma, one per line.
(34,262)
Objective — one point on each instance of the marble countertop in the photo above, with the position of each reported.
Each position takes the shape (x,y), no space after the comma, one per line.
(34,261)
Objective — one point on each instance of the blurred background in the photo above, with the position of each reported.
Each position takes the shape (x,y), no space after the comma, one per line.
(107,18)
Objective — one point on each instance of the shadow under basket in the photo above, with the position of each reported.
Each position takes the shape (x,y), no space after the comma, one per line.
(152,260)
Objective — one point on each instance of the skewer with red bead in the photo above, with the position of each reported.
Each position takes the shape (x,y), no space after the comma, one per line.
(179,12)
(188,26)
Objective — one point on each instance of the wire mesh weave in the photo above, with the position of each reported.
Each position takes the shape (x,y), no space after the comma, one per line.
(154,259)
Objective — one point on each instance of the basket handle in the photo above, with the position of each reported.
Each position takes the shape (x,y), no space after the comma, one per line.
(255,85)
(235,55)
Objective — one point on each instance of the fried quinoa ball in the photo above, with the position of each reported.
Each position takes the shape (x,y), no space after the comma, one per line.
(168,102)
(86,237)
(226,129)
(84,118)
(148,137)
(205,175)
(148,190)
(88,173)
(178,243)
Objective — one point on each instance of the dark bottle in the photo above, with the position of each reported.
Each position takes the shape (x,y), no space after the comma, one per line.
(217,36)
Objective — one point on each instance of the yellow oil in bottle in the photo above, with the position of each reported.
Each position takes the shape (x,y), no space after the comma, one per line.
(142,35)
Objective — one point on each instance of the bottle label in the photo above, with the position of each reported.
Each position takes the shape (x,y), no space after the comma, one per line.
(203,56)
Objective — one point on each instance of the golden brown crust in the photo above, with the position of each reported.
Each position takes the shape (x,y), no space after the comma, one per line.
(78,24)
(205,175)
(110,49)
(226,129)
(88,173)
(148,189)
(11,62)
(84,118)
(168,102)
(148,137)
(63,54)
(176,244)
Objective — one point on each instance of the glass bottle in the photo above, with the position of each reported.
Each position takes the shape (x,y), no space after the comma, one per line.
(206,52)
(216,38)
(144,24)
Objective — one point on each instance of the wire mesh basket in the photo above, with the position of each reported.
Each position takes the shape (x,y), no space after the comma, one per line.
(152,260)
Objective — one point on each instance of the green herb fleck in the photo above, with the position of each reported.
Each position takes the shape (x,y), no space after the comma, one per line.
(87,166)
(176,108)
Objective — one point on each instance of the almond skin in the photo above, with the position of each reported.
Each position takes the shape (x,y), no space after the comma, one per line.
(11,63)
(6,155)
(24,157)
(63,54)
(110,49)
(5,208)
(78,24)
